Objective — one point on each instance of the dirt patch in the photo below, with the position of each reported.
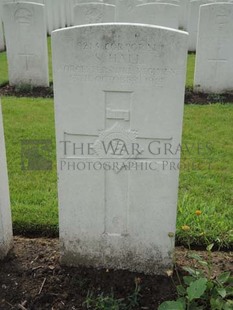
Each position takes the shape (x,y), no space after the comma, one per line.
(192,97)
(26,91)
(32,278)
(47,92)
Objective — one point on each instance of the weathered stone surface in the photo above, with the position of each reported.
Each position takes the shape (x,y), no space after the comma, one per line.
(160,14)
(193,16)
(92,13)
(214,57)
(6,235)
(118,86)
(123,9)
(26,41)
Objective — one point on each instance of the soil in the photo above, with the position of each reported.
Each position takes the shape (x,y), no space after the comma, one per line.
(32,278)
(47,92)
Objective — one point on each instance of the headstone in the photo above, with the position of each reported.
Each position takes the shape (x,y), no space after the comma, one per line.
(53,15)
(113,2)
(174,2)
(6,235)
(161,14)
(87,1)
(123,9)
(63,13)
(73,3)
(92,13)
(193,17)
(184,11)
(2,42)
(49,16)
(68,12)
(26,41)
(56,14)
(214,57)
(119,97)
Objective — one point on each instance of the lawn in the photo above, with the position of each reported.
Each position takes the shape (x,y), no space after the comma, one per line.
(4,73)
(209,189)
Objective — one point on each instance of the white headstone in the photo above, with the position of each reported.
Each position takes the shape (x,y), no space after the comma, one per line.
(87,1)
(179,3)
(193,17)
(49,16)
(73,3)
(53,15)
(161,14)
(184,11)
(113,2)
(214,57)
(68,12)
(119,96)
(123,9)
(6,235)
(56,14)
(26,41)
(92,13)
(2,42)
(63,13)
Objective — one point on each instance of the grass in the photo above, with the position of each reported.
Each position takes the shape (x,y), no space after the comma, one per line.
(209,187)
(190,70)
(4,68)
(34,193)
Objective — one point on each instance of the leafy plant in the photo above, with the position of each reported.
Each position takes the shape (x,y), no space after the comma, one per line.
(200,290)
(102,302)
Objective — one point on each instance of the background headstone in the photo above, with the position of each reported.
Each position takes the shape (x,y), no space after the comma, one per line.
(123,9)
(2,42)
(161,14)
(6,235)
(26,41)
(92,13)
(193,17)
(184,12)
(214,57)
(117,84)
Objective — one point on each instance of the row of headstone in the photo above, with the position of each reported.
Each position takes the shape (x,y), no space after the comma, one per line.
(161,14)
(6,235)
(179,14)
(25,31)
(60,13)
(214,57)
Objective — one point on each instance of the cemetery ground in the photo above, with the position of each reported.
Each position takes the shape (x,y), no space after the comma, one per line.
(31,277)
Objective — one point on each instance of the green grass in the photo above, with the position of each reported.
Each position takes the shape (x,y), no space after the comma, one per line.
(209,188)
(4,72)
(3,69)
(34,193)
(190,70)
